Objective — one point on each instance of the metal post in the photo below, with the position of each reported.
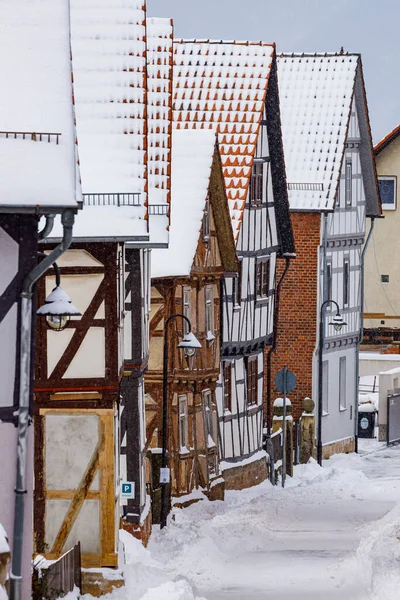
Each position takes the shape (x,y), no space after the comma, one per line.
(320,382)
(24,396)
(163,516)
(284,426)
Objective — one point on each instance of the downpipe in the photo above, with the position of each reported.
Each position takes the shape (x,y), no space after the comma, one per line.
(361,332)
(47,229)
(288,258)
(67,220)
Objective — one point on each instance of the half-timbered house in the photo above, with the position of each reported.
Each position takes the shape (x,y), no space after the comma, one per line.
(79,396)
(332,188)
(39,177)
(232,87)
(186,279)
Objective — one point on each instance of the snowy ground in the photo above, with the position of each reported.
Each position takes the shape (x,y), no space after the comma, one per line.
(332,533)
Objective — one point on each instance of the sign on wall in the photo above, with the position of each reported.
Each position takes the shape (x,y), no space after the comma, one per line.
(127,489)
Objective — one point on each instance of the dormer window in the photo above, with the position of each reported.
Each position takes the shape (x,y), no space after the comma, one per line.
(256,184)
(206,220)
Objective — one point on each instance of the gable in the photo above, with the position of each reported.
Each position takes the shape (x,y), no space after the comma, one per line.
(316,92)
(222,86)
(219,252)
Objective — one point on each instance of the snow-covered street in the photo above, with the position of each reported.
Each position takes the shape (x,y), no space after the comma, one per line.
(317,539)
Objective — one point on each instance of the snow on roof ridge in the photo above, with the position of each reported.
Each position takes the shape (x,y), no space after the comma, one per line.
(215,41)
(317,54)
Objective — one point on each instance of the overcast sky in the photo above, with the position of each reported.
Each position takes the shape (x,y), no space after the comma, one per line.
(370,27)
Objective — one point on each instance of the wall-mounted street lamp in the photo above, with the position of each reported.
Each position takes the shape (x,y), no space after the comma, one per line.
(58,308)
(337,322)
(189,345)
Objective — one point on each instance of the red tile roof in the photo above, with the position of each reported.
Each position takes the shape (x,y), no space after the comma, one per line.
(222,85)
(388,139)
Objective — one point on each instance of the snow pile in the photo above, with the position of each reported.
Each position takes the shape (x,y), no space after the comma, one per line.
(379,556)
(172,590)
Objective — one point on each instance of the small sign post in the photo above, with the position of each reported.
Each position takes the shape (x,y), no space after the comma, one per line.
(164,475)
(285,382)
(128,489)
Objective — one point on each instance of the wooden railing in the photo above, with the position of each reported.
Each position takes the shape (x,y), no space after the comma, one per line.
(56,580)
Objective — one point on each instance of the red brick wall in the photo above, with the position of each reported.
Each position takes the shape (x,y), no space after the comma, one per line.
(297,321)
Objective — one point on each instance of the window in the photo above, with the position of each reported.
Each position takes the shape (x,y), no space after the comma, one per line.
(206,220)
(348,183)
(237,287)
(252,380)
(384,278)
(227,373)
(262,278)
(325,405)
(342,382)
(183,424)
(208,417)
(186,306)
(346,282)
(209,292)
(329,281)
(256,184)
(388,192)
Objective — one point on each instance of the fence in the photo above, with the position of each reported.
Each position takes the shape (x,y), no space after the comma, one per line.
(112,199)
(59,578)
(393,418)
(273,446)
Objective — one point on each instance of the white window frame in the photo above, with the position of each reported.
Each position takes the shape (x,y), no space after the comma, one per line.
(208,418)
(346,281)
(393,178)
(183,423)
(209,312)
(342,383)
(348,183)
(186,305)
(206,220)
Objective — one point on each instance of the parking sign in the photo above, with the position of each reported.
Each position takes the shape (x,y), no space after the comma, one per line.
(127,489)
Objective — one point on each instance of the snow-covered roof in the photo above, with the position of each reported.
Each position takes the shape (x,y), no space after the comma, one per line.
(192,156)
(222,86)
(316,93)
(38,154)
(109,63)
(159,121)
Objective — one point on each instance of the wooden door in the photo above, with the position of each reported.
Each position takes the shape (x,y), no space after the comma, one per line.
(78,485)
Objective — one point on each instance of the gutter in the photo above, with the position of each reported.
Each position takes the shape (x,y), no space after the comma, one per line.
(27,293)
(288,257)
(361,332)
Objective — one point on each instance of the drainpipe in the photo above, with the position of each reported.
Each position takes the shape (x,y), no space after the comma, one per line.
(287,257)
(67,220)
(47,229)
(361,332)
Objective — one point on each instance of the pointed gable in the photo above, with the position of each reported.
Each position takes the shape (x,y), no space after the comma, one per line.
(223,86)
(316,93)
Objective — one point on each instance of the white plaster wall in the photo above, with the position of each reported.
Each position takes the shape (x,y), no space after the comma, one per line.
(388,381)
(338,424)
(376,363)
(8,448)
